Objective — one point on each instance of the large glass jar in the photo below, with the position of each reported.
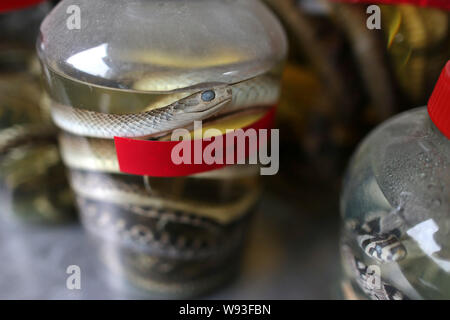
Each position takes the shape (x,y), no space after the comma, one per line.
(112,60)
(33,185)
(395,207)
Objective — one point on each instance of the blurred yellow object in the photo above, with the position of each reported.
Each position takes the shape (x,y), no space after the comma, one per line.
(418,46)
(300,92)
(217,56)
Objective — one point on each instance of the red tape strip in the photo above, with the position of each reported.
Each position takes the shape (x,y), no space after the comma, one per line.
(154,158)
(441,4)
(10,5)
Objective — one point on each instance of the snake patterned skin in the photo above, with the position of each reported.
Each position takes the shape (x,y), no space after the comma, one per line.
(368,281)
(261,91)
(383,247)
(176,237)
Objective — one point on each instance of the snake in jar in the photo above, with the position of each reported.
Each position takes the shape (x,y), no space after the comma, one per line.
(368,279)
(383,247)
(259,91)
(87,148)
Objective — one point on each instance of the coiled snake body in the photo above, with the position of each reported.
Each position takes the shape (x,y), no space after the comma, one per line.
(193,238)
(86,141)
(260,91)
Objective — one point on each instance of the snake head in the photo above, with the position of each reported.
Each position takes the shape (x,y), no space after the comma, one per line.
(210,101)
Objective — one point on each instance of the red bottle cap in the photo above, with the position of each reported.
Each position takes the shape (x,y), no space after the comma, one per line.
(10,5)
(441,4)
(439,103)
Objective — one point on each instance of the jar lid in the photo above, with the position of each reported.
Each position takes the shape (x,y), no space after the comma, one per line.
(160,45)
(439,103)
(11,5)
(441,4)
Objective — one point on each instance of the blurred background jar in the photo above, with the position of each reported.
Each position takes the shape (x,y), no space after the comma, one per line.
(122,63)
(33,184)
(342,79)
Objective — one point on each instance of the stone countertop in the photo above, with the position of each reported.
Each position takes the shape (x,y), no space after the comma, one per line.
(291,254)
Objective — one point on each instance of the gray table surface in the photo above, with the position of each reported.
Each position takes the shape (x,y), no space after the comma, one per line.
(291,254)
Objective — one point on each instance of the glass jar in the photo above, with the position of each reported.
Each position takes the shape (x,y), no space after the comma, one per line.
(342,78)
(395,207)
(33,184)
(415,37)
(172,236)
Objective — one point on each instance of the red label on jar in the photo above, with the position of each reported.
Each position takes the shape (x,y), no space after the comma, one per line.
(441,4)
(156,158)
(10,5)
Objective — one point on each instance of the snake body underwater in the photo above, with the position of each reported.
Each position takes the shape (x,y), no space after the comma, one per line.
(87,139)
(190,225)
(369,280)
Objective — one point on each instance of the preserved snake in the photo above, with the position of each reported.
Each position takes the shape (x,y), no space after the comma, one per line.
(188,227)
(86,142)
(261,91)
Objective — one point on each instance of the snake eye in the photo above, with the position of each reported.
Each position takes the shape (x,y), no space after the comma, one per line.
(208,96)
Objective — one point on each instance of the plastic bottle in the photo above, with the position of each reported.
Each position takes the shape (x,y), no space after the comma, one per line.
(395,206)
